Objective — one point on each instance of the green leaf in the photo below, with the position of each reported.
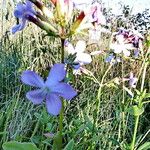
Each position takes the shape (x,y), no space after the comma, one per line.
(13,145)
(57,141)
(89,123)
(148,43)
(81,129)
(135,110)
(70,145)
(145,146)
(137,92)
(147,95)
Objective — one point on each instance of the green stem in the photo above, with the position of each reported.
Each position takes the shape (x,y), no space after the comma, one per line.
(101,84)
(62,50)
(123,103)
(135,132)
(98,98)
(61,116)
(145,64)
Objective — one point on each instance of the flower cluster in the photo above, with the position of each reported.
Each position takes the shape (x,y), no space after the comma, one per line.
(124,43)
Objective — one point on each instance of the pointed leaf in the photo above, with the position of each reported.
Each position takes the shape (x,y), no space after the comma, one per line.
(145,146)
(147,95)
(70,145)
(57,141)
(13,145)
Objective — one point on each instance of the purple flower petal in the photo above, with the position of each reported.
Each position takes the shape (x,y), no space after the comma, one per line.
(22,24)
(136,53)
(57,74)
(36,96)
(132,80)
(29,8)
(29,4)
(64,90)
(19,27)
(19,11)
(109,58)
(32,79)
(15,28)
(53,104)
(77,66)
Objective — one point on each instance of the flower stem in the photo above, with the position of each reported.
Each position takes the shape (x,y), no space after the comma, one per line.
(145,64)
(61,116)
(62,50)
(135,131)
(123,103)
(98,98)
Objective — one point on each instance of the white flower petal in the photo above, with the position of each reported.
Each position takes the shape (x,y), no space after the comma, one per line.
(69,48)
(84,58)
(80,46)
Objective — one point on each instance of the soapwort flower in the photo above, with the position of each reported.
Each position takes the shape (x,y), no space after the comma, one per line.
(81,58)
(92,11)
(124,41)
(132,81)
(50,90)
(112,59)
(120,45)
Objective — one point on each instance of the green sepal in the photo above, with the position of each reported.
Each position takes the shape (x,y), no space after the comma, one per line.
(135,110)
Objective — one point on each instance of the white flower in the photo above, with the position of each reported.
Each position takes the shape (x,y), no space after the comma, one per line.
(81,57)
(120,46)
